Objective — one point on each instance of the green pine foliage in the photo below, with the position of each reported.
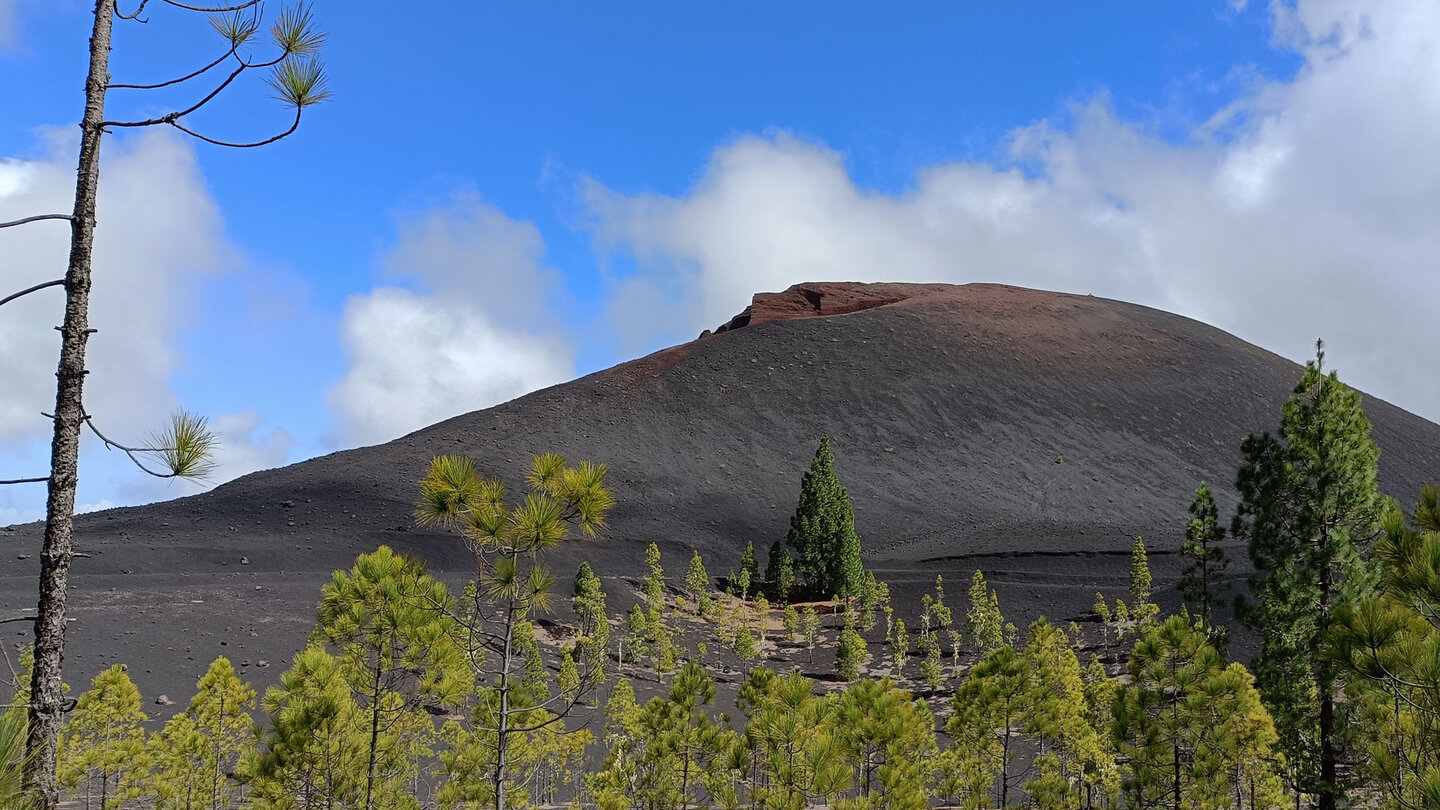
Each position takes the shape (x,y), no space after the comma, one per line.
(749,568)
(1192,730)
(593,639)
(822,533)
(780,571)
(887,739)
(900,647)
(312,749)
(1309,510)
(790,622)
(1202,582)
(1389,645)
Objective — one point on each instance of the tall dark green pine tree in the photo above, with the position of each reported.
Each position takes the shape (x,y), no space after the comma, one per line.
(1205,562)
(822,532)
(1309,506)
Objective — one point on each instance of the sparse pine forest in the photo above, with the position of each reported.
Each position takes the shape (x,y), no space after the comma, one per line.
(803,683)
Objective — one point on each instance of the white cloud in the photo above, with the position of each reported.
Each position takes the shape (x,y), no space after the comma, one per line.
(1306,209)
(159,237)
(480,334)
(158,232)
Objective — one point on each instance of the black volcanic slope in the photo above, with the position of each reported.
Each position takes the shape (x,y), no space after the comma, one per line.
(1029,434)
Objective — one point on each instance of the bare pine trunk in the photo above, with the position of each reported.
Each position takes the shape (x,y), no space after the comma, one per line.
(502,747)
(47,701)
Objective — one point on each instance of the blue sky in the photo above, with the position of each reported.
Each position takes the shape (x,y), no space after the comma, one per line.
(497,185)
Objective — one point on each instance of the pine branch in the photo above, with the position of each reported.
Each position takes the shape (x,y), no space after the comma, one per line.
(24,481)
(211,10)
(7,299)
(293,126)
(135,15)
(36,218)
(184,78)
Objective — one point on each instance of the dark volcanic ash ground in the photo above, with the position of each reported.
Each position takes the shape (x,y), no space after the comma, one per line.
(1032,435)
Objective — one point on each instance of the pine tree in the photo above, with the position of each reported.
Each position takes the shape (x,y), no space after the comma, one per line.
(1191,728)
(989,707)
(874,595)
(1201,582)
(617,781)
(900,647)
(102,752)
(810,628)
(984,623)
(790,621)
(654,584)
(792,737)
(507,541)
(594,637)
(851,654)
(930,669)
(780,571)
(387,619)
(697,584)
(1142,608)
(1101,609)
(822,532)
(749,567)
(312,751)
(1309,508)
(680,743)
(887,738)
(199,747)
(1060,720)
(1390,646)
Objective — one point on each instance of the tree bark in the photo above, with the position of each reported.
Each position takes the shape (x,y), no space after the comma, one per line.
(47,701)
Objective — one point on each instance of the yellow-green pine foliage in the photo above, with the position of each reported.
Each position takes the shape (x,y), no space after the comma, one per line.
(851,654)
(312,750)
(388,622)
(1060,721)
(542,756)
(197,749)
(790,622)
(613,786)
(790,735)
(989,709)
(810,628)
(13,727)
(1143,610)
(102,752)
(681,745)
(697,584)
(887,739)
(1191,728)
(655,579)
(984,623)
(900,647)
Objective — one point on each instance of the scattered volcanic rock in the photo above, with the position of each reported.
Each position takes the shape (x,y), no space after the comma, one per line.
(1030,434)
